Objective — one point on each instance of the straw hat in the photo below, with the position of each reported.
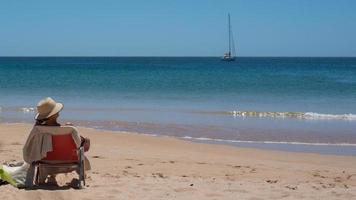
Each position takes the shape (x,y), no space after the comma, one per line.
(47,107)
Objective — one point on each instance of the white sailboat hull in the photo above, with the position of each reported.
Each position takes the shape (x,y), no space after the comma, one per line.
(228,59)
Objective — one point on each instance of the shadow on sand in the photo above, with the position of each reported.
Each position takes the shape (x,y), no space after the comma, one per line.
(50,187)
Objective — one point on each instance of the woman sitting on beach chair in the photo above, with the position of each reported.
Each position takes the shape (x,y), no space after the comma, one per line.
(53,148)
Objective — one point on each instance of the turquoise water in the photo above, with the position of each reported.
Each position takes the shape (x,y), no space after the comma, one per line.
(282,100)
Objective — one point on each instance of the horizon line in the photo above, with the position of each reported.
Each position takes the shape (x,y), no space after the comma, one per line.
(87,56)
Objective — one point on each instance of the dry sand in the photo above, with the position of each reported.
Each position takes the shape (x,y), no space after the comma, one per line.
(134,166)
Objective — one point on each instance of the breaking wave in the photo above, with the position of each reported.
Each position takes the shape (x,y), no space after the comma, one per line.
(234,113)
(18,109)
(297,115)
(27,110)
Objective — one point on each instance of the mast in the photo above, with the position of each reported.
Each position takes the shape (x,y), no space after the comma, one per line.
(229,34)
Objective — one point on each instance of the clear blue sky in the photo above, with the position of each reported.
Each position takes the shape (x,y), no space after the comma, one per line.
(177,28)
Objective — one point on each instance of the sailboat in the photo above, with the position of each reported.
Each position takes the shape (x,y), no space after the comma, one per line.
(230,56)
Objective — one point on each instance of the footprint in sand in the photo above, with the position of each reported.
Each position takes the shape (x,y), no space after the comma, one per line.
(315,187)
(271,181)
(171,161)
(230,177)
(331,185)
(350,177)
(252,170)
(318,175)
(158,174)
(291,187)
(125,173)
(338,179)
(99,157)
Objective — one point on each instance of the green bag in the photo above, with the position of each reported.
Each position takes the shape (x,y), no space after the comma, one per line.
(4,176)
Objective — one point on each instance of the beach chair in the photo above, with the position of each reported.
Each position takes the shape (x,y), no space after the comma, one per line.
(64,158)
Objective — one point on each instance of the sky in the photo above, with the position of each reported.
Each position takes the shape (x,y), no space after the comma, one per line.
(177,28)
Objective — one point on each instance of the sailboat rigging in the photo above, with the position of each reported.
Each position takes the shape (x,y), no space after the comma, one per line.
(230,55)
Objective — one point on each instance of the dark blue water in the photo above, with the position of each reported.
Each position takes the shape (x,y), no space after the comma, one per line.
(309,100)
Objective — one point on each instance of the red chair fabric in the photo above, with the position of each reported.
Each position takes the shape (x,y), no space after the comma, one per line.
(64,148)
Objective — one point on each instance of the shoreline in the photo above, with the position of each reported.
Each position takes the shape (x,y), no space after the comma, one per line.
(135,166)
(323,148)
(180,139)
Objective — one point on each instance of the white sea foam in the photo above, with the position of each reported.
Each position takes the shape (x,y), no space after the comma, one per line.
(238,113)
(27,110)
(311,115)
(298,115)
(267,142)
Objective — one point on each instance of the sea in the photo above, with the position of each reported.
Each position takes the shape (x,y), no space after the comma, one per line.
(300,104)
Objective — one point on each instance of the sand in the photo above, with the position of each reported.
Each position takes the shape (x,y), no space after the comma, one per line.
(136,166)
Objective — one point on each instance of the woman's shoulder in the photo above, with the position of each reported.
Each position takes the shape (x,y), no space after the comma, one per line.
(62,129)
